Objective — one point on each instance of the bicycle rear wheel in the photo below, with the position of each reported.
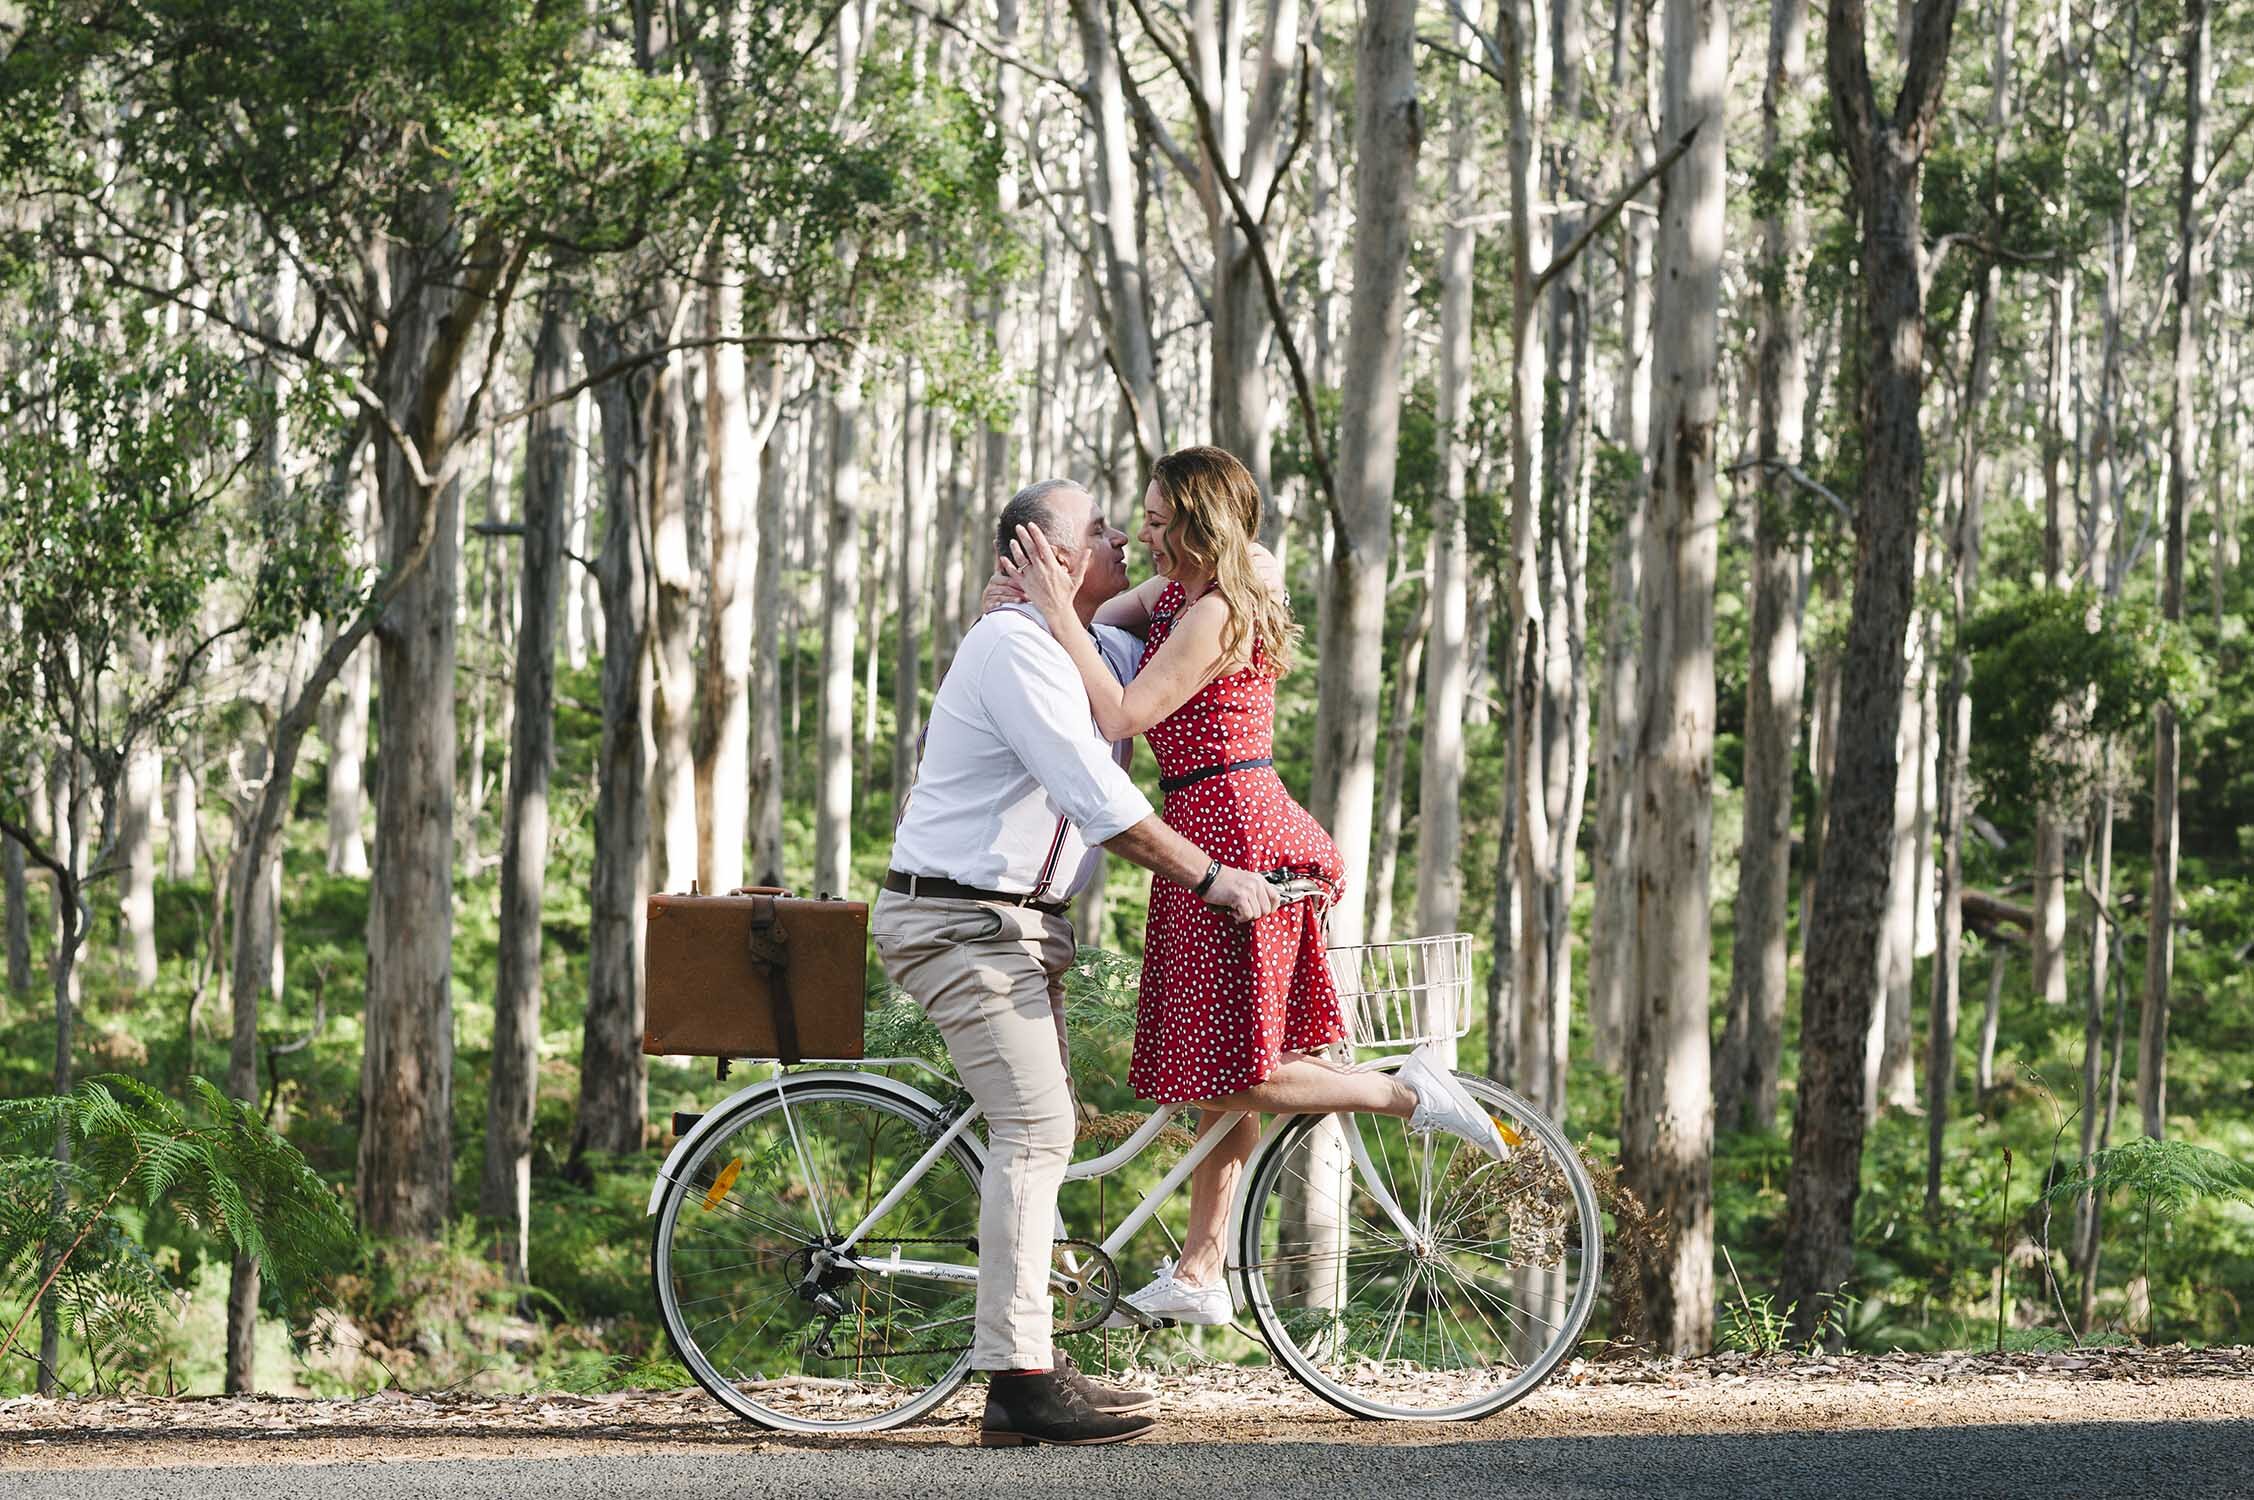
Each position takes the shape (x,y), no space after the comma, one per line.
(1453,1322)
(753,1304)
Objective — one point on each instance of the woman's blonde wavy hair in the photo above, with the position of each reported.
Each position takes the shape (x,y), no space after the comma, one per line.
(1216,519)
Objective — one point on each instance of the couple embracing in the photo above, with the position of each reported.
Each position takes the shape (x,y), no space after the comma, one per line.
(1022,785)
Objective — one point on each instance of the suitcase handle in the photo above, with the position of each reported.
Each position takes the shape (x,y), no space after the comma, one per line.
(760,890)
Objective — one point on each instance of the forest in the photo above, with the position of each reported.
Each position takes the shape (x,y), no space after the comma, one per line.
(1764,485)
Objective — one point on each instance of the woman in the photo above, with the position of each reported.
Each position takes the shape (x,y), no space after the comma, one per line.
(1230,1016)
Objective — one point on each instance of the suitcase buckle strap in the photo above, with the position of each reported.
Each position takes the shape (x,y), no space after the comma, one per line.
(768,941)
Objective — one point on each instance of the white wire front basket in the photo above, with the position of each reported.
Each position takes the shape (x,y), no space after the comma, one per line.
(1404,993)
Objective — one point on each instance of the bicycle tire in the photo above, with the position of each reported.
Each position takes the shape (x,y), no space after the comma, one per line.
(1354,1388)
(860,1410)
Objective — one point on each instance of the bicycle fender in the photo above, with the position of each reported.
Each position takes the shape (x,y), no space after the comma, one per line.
(719,1114)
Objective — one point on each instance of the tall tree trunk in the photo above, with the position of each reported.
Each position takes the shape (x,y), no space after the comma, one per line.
(951,544)
(673,585)
(72,918)
(1667,1124)
(1115,223)
(505,1186)
(722,741)
(583,606)
(1385,857)
(344,721)
(769,642)
(1823,760)
(1388,132)
(919,477)
(1885,153)
(1745,1074)
(613,1074)
(841,597)
(407,1063)
(1612,862)
(1888,1081)
(1440,884)
(15,893)
(2160,948)
(1955,712)
(1001,459)
(1538,1069)
(1249,121)
(2047,939)
(181,819)
(136,829)
(255,957)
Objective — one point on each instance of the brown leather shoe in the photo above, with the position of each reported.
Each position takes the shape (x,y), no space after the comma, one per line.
(1119,1400)
(1022,1410)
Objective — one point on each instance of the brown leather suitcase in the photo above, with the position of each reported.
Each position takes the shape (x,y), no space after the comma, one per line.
(755,973)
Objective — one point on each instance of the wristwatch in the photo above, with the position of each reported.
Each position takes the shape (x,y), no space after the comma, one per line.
(1212,873)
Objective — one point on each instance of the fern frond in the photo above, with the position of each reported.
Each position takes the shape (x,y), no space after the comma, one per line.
(2170,1175)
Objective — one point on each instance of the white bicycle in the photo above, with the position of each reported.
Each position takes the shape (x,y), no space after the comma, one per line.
(815,1256)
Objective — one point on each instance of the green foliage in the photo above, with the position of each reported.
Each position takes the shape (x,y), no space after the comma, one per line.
(139,1159)
(119,491)
(1755,1324)
(2168,1175)
(2055,673)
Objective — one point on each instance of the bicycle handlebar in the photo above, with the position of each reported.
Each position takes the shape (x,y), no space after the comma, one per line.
(1294,886)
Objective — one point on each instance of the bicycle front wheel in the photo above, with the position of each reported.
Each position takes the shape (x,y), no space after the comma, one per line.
(1456,1318)
(759,1305)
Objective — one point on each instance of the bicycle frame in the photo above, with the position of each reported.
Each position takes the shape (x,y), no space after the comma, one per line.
(1099,1166)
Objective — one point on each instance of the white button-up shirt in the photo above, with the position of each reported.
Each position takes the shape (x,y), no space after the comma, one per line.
(1018,787)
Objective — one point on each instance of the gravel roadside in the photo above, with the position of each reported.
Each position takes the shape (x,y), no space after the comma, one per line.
(1985,1424)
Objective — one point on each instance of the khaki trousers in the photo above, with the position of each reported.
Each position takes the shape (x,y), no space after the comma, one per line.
(991,978)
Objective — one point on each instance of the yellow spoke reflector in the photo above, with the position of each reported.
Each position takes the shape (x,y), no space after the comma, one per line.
(1510,1136)
(721,1184)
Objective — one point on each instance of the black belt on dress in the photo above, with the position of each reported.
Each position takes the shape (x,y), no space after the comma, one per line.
(1176,783)
(932,885)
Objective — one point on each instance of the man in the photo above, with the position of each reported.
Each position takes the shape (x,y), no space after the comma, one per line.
(1017,795)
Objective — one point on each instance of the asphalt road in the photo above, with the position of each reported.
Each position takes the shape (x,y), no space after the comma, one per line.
(2173,1459)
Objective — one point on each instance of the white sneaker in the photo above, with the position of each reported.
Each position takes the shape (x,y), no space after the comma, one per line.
(1445,1104)
(1178,1301)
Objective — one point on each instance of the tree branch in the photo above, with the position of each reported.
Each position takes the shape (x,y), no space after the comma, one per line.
(1920,99)
(1435,45)
(1257,242)
(1801,477)
(2224,147)
(1148,119)
(1847,69)
(1595,226)
(1000,52)
(32,847)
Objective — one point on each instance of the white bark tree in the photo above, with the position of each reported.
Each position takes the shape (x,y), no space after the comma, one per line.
(1745,1065)
(1667,1123)
(1388,133)
(1447,655)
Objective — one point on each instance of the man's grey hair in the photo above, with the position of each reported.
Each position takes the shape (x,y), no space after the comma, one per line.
(1031,506)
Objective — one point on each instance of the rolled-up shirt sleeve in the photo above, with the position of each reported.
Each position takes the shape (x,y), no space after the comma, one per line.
(1038,705)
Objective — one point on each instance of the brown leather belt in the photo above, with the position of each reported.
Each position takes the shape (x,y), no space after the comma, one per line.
(933,885)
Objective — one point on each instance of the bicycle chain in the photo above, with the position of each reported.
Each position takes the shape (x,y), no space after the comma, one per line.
(819,1345)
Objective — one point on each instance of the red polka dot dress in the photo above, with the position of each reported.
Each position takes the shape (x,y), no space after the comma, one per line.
(1221,1000)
